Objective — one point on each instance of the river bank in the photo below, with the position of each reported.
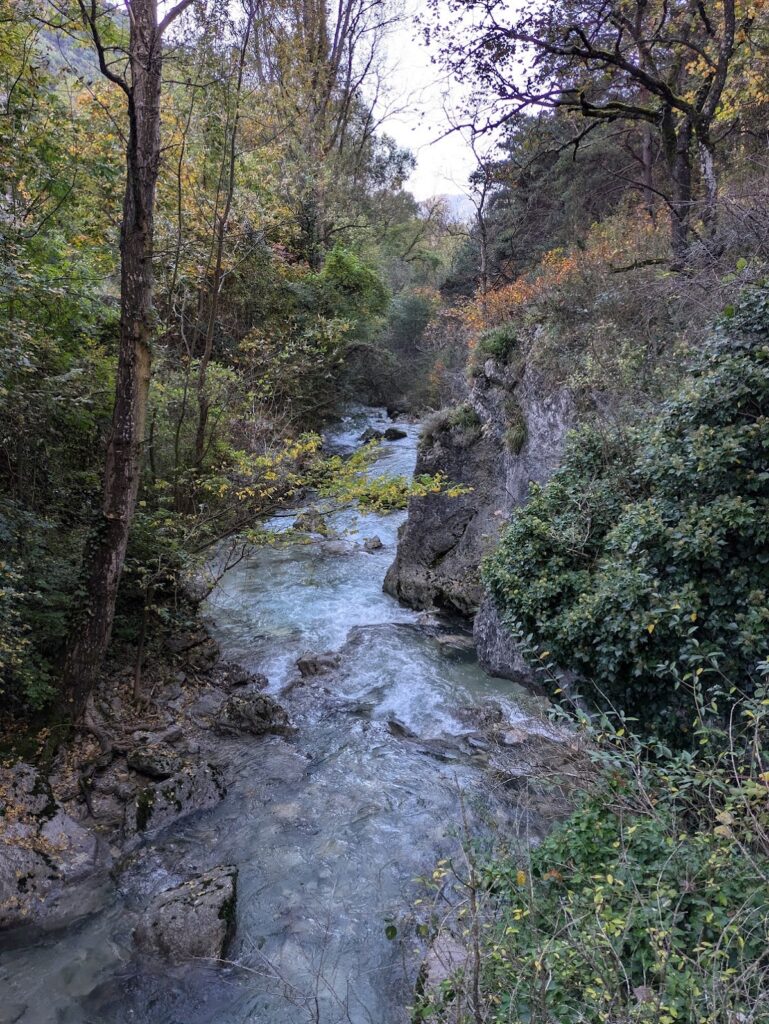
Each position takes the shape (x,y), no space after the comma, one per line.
(326,824)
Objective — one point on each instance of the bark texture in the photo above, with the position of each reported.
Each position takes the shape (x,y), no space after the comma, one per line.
(105,553)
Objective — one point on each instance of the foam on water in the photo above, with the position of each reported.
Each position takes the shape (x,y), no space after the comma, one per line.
(327,835)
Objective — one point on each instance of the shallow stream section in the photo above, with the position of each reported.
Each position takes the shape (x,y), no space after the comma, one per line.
(328,828)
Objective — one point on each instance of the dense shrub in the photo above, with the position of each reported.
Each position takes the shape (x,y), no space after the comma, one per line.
(348,289)
(648,904)
(643,565)
(461,419)
(409,315)
(497,342)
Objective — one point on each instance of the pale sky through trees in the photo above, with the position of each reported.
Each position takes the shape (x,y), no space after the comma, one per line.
(443,166)
(421,91)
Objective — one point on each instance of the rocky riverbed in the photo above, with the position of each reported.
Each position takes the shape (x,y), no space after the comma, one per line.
(236,852)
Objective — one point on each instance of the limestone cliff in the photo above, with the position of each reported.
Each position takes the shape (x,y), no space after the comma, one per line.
(510,433)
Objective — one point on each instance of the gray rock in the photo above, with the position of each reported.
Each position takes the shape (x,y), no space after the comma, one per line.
(318,664)
(369,434)
(235,677)
(398,728)
(194,920)
(195,588)
(498,652)
(445,956)
(253,713)
(457,641)
(513,737)
(157,760)
(195,788)
(43,853)
(312,521)
(371,544)
(197,649)
(442,543)
(394,434)
(170,734)
(338,547)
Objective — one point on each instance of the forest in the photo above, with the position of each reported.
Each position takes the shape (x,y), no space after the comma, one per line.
(384,575)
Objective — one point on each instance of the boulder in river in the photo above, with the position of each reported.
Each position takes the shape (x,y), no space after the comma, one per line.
(394,434)
(372,544)
(312,521)
(194,920)
(370,434)
(194,788)
(398,728)
(317,664)
(157,760)
(253,713)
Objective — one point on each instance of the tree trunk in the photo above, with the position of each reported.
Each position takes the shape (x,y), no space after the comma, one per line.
(680,162)
(709,180)
(647,158)
(105,552)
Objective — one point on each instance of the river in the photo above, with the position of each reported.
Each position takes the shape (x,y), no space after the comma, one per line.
(328,831)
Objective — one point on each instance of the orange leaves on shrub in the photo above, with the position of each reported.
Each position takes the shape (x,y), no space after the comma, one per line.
(613,241)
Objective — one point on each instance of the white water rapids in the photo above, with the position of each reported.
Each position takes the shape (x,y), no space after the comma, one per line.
(328,830)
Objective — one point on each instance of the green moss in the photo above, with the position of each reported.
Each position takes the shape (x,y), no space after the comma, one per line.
(145,803)
(517,428)
(460,418)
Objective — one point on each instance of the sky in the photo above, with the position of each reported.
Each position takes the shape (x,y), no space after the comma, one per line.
(443,164)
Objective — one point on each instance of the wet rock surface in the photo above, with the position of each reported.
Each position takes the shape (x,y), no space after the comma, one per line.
(252,713)
(394,434)
(498,652)
(195,788)
(235,677)
(43,852)
(312,521)
(157,760)
(370,434)
(61,834)
(318,664)
(192,920)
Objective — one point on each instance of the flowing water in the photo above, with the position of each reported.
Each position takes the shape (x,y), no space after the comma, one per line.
(328,830)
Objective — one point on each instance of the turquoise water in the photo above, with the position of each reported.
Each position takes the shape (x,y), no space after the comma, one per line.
(328,831)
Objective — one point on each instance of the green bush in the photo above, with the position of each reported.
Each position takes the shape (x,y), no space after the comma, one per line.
(498,342)
(649,904)
(643,565)
(462,419)
(517,427)
(348,289)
